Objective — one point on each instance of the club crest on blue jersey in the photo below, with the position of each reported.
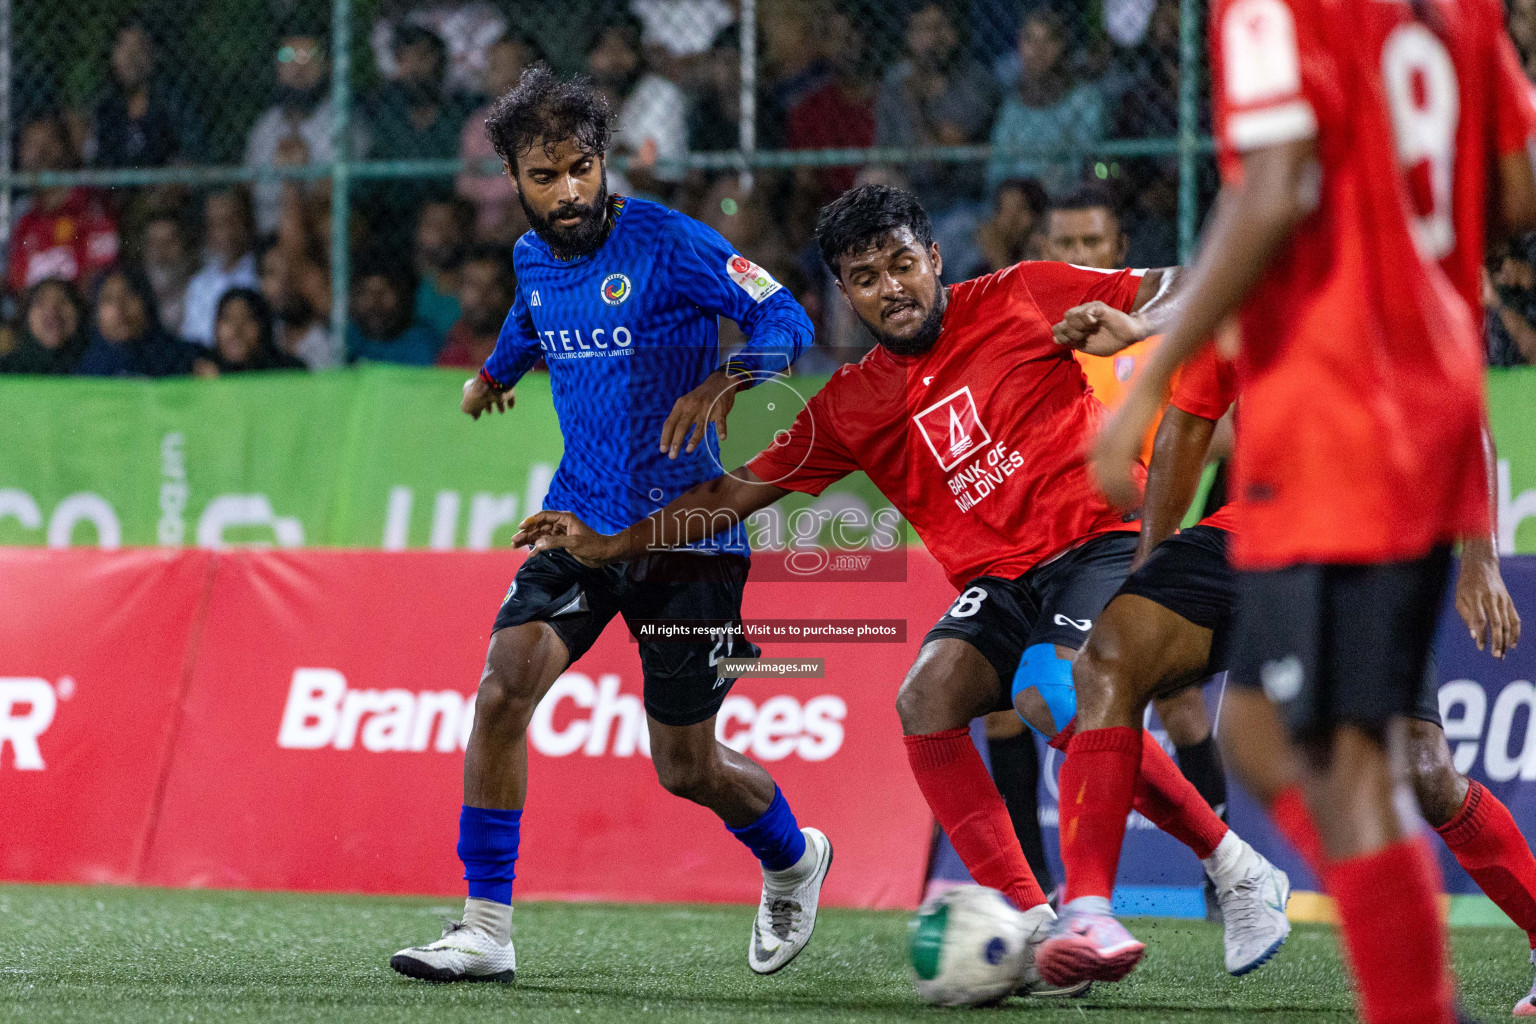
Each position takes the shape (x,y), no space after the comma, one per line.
(616,289)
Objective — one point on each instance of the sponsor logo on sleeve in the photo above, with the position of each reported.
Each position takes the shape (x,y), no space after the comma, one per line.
(751,278)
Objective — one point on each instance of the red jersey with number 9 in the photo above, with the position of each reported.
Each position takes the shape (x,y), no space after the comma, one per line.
(1362,367)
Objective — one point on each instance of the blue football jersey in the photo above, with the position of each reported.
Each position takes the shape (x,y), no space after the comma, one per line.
(626,331)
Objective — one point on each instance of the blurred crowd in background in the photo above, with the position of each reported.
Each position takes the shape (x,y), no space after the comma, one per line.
(172,279)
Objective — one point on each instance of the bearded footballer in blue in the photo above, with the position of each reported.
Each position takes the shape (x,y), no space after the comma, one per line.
(621,298)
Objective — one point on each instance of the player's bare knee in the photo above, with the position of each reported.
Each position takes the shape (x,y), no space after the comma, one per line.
(923,707)
(1103,683)
(520,663)
(502,702)
(1437,786)
(685,773)
(909,707)
(1094,679)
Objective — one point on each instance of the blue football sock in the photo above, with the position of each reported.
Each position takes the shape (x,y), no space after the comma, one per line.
(488,848)
(775,838)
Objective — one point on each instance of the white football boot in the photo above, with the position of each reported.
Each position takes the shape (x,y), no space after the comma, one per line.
(1253,894)
(1038,922)
(786,915)
(1527,1006)
(464,953)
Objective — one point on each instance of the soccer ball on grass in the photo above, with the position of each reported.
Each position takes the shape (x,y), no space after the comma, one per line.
(969,946)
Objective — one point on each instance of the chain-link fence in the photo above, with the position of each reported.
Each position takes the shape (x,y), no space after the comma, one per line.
(206,145)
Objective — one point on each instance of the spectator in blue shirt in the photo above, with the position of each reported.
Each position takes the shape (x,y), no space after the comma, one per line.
(1048,110)
(127,339)
(384,327)
(443,232)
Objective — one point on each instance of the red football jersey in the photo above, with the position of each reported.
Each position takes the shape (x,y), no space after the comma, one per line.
(1206,387)
(1361,369)
(979,442)
(72,242)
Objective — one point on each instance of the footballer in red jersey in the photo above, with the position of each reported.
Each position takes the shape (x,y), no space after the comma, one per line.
(1349,172)
(1170,622)
(972,420)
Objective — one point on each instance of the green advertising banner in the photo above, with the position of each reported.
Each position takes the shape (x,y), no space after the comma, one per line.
(1512,411)
(382,457)
(372,457)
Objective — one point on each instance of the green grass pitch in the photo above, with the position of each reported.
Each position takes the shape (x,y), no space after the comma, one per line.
(110,954)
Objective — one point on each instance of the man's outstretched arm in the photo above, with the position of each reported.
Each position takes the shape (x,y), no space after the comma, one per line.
(697,514)
(716,278)
(1099,329)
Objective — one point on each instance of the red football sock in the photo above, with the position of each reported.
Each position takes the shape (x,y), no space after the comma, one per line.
(963,798)
(1392,933)
(1488,844)
(1097,781)
(1294,821)
(1171,802)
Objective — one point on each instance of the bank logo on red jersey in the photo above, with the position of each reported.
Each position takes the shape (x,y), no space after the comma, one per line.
(952,429)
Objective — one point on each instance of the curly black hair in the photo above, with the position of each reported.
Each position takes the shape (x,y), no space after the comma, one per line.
(863,217)
(546,109)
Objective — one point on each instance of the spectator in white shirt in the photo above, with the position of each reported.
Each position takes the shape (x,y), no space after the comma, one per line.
(299,330)
(228,260)
(169,262)
(653,123)
(296,129)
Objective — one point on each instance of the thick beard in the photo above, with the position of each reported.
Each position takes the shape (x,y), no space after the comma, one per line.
(583,239)
(922,341)
(301,101)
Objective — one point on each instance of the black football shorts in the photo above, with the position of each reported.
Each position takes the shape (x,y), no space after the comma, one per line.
(1340,644)
(1189,575)
(578,602)
(1426,705)
(1054,603)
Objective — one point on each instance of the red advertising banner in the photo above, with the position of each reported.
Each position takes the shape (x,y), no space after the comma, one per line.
(95,648)
(319,726)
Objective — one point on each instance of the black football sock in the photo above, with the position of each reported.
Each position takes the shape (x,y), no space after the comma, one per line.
(1201,765)
(1016,772)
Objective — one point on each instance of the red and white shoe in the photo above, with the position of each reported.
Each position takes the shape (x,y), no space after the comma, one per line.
(1087,946)
(1527,1006)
